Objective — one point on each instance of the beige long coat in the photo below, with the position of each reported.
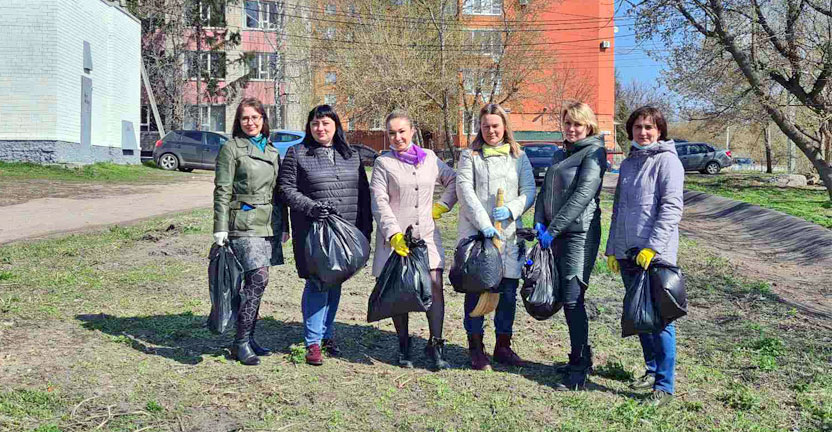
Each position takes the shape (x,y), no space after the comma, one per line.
(477,184)
(402,195)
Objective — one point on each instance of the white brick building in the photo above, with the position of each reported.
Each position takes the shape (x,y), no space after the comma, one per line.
(69,81)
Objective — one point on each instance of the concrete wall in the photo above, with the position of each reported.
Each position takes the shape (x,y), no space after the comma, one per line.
(41,65)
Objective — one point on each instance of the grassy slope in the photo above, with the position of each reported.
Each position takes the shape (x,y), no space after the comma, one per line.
(810,204)
(99,172)
(118,316)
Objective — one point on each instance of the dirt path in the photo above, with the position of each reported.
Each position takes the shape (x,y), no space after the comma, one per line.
(793,255)
(117,204)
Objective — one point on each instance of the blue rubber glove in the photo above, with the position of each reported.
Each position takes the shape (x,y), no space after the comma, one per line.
(500,213)
(543,235)
(539,227)
(491,232)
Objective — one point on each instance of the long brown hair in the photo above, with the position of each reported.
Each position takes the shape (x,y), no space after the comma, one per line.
(237,131)
(508,136)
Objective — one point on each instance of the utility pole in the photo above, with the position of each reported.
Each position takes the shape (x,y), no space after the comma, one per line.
(728,138)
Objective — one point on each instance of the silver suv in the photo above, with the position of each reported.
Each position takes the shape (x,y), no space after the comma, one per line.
(703,157)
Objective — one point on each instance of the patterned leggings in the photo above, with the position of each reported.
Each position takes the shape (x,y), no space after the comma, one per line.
(253,288)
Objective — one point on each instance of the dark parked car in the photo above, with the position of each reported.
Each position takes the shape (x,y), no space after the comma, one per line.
(283,139)
(703,157)
(542,156)
(188,149)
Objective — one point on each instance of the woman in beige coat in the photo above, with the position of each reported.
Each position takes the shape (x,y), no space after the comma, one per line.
(402,195)
(495,162)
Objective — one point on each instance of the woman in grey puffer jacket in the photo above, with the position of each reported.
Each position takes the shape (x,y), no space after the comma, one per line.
(645,224)
(568,219)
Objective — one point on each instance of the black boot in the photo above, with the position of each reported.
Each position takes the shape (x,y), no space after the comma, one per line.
(260,351)
(242,351)
(564,368)
(434,350)
(404,353)
(579,364)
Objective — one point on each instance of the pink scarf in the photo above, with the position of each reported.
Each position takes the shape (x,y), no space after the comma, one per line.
(414,155)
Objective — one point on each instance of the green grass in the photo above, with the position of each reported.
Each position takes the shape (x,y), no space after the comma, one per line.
(98,172)
(108,328)
(810,204)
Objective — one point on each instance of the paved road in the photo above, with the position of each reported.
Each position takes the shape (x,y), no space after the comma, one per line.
(45,216)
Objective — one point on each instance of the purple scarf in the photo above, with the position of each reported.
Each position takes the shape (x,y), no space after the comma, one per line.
(414,155)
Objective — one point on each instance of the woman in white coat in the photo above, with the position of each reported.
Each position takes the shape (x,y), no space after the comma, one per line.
(494,161)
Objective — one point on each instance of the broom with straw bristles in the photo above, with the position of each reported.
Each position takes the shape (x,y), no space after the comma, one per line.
(488,300)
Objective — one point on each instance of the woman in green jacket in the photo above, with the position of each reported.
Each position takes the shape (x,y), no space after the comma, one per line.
(248,217)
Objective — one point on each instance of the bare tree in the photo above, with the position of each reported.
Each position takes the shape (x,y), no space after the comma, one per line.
(793,57)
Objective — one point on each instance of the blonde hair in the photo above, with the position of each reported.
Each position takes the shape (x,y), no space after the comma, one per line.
(397,114)
(581,113)
(508,136)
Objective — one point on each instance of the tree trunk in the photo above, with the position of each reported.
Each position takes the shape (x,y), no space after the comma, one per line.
(446,125)
(768,151)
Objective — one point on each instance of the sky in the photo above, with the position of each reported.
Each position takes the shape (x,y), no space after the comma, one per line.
(631,60)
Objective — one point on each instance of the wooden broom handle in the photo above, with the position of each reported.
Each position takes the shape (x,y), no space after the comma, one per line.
(499,224)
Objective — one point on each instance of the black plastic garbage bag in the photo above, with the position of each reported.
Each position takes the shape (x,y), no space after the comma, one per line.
(225,277)
(478,265)
(640,314)
(541,284)
(335,250)
(668,285)
(404,284)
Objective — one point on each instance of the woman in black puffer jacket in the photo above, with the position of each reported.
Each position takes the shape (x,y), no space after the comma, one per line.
(321,173)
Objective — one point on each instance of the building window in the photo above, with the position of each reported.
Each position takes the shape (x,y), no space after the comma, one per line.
(482,7)
(330,100)
(263,66)
(330,9)
(329,33)
(377,124)
(485,42)
(263,14)
(211,64)
(330,78)
(351,8)
(146,119)
(480,81)
(272,111)
(350,125)
(211,14)
(470,123)
(212,118)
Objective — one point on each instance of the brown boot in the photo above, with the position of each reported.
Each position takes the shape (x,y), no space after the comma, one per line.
(503,353)
(479,361)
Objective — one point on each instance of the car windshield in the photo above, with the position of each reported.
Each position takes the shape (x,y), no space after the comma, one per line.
(540,151)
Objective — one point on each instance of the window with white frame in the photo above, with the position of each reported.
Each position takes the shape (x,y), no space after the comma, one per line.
(211,64)
(470,123)
(263,14)
(377,124)
(330,9)
(481,81)
(272,111)
(350,124)
(205,117)
(330,78)
(330,100)
(211,14)
(263,66)
(329,33)
(485,42)
(482,7)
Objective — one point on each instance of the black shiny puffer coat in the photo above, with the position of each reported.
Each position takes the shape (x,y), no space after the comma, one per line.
(307,176)
(568,204)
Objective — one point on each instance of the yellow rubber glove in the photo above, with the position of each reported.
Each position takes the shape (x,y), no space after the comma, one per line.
(645,257)
(613,265)
(438,210)
(399,245)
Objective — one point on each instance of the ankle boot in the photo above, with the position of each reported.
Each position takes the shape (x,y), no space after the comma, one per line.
(241,350)
(504,354)
(580,363)
(479,361)
(403,359)
(434,350)
(260,351)
(564,369)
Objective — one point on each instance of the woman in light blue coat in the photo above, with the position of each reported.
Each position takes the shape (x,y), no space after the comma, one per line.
(645,225)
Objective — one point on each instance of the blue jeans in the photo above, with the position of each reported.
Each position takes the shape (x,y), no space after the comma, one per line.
(660,356)
(319,308)
(503,316)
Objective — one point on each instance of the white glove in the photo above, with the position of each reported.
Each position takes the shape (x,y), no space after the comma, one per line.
(221,238)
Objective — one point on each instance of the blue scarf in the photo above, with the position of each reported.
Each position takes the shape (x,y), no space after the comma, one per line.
(259,141)
(640,147)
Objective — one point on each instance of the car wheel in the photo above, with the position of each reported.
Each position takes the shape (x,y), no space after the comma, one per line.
(169,162)
(185,169)
(712,167)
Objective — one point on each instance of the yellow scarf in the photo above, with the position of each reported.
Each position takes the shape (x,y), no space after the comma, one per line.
(488,150)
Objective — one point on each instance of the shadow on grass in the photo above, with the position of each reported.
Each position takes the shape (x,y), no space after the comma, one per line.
(185,338)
